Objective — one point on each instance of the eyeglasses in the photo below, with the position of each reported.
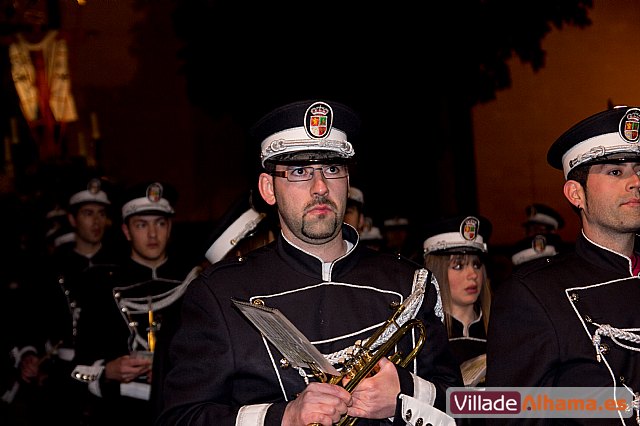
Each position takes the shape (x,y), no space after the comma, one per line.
(301,174)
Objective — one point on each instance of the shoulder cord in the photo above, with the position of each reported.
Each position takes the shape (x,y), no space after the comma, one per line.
(137,305)
(411,303)
(129,306)
(615,334)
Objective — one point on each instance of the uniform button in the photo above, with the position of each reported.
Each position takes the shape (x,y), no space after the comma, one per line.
(588,319)
(407,415)
(574,297)
(419,422)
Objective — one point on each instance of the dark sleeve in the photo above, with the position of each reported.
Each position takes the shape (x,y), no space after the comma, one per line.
(195,389)
(436,361)
(101,327)
(519,323)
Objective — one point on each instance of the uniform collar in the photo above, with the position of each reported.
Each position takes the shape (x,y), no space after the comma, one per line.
(603,257)
(311,265)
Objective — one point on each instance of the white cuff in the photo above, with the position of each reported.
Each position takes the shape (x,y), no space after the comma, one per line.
(252,415)
(423,390)
(66,354)
(418,412)
(90,374)
(136,390)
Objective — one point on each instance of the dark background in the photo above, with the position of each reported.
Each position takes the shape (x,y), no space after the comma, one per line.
(176,85)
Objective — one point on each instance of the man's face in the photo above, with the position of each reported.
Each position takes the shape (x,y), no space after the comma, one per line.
(313,210)
(612,198)
(149,236)
(90,222)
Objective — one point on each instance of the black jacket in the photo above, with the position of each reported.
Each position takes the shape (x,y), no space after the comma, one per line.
(544,319)
(219,362)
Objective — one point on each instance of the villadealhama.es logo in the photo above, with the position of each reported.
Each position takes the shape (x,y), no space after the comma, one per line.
(541,402)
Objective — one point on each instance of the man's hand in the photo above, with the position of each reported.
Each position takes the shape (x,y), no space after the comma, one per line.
(29,367)
(127,368)
(375,397)
(320,403)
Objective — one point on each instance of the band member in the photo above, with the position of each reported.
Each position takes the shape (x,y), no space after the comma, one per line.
(88,213)
(455,250)
(118,332)
(571,320)
(333,289)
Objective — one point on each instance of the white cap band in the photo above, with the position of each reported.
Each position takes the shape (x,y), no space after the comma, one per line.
(530,254)
(356,195)
(297,140)
(89,197)
(452,240)
(598,146)
(544,219)
(239,229)
(143,204)
(64,238)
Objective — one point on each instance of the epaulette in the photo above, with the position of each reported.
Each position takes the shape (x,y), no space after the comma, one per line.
(224,263)
(535,265)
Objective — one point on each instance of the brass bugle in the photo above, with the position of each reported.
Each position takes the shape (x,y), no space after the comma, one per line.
(364,361)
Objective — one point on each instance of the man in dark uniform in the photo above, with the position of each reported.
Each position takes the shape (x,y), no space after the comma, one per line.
(535,247)
(118,331)
(333,289)
(571,320)
(89,216)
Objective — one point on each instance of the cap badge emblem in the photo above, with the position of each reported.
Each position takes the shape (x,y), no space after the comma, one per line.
(630,125)
(469,228)
(154,192)
(318,120)
(539,243)
(94,186)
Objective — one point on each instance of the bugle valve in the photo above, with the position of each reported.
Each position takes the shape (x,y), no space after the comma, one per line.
(363,360)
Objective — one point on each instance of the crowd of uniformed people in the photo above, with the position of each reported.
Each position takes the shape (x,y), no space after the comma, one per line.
(106,321)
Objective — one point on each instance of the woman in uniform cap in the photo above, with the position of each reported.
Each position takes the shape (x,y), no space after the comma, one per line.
(455,250)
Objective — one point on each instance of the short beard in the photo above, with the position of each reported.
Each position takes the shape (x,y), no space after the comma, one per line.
(314,233)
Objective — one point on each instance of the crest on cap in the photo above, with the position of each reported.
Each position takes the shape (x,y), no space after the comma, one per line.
(539,243)
(91,193)
(154,192)
(318,120)
(94,186)
(458,234)
(149,198)
(612,135)
(539,246)
(629,125)
(469,228)
(307,131)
